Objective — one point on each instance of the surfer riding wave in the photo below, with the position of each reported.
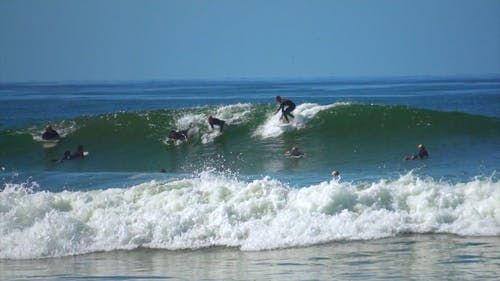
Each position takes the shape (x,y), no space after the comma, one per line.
(290,106)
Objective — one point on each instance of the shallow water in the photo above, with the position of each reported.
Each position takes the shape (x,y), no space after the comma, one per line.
(409,257)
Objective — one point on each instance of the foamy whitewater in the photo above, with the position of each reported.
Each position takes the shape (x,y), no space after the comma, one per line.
(272,127)
(217,210)
(232,205)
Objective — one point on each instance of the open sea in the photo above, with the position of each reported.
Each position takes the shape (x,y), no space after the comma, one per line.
(231,206)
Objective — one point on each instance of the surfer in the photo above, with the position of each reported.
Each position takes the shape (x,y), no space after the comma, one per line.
(294,152)
(214,121)
(422,154)
(290,106)
(79,153)
(174,135)
(335,173)
(50,134)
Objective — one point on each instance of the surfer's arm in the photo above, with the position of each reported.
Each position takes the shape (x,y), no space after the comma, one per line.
(280,107)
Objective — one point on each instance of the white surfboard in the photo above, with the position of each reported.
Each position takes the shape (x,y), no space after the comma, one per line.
(49,143)
(209,137)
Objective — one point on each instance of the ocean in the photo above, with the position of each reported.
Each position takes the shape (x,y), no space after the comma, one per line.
(231,205)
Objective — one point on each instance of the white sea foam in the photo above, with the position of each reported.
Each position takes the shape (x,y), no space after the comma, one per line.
(197,123)
(272,127)
(217,210)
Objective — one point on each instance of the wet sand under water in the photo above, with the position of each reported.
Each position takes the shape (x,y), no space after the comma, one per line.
(415,257)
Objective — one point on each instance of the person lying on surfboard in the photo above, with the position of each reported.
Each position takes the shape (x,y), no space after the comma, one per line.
(214,121)
(294,152)
(422,154)
(50,134)
(174,135)
(79,153)
(290,106)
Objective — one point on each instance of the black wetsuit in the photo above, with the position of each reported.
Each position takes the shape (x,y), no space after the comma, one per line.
(177,136)
(290,106)
(422,154)
(70,156)
(214,121)
(50,135)
(295,153)
(75,155)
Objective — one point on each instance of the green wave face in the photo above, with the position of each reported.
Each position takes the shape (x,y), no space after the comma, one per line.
(253,141)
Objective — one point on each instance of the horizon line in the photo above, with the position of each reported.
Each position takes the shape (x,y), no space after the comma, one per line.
(262,79)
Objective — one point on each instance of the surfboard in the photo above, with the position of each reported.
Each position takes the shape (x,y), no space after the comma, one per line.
(49,143)
(210,136)
(285,124)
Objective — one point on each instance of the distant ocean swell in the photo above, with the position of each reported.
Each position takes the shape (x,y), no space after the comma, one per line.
(213,209)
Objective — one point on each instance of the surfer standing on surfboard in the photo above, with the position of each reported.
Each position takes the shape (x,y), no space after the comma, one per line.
(290,106)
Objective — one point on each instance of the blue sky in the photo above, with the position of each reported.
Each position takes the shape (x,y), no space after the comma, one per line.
(164,40)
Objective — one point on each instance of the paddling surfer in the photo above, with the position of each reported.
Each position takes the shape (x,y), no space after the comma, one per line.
(79,153)
(214,121)
(50,134)
(294,152)
(422,154)
(174,135)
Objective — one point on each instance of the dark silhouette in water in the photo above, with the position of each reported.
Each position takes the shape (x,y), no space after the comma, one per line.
(214,121)
(294,152)
(79,153)
(174,135)
(422,154)
(50,134)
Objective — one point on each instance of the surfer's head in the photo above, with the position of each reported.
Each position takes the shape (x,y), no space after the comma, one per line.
(421,146)
(335,173)
(278,98)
